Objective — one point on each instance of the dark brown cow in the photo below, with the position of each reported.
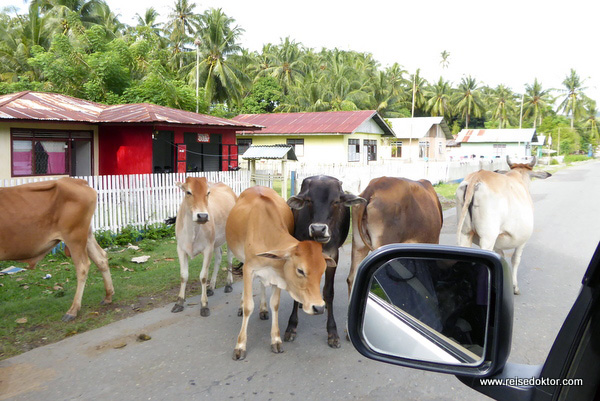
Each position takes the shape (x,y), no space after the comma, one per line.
(397,210)
(36,217)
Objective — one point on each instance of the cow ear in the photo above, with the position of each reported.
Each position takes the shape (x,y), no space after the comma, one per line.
(296,202)
(330,262)
(352,200)
(278,254)
(540,174)
(181,186)
(501,171)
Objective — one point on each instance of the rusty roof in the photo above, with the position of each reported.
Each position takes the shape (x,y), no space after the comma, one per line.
(56,107)
(327,122)
(505,135)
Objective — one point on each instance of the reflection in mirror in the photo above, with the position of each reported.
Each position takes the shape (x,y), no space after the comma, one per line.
(432,310)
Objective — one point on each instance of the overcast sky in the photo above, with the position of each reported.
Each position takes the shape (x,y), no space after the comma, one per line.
(507,42)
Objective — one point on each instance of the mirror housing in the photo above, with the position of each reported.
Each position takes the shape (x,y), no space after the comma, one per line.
(500,310)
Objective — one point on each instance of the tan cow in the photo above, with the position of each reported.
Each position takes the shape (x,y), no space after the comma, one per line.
(496,211)
(36,217)
(259,232)
(397,210)
(200,228)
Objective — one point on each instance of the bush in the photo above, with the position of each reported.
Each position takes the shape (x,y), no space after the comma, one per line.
(553,161)
(105,238)
(129,235)
(575,158)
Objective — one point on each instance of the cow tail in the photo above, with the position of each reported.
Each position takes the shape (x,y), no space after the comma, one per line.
(469,193)
(361,213)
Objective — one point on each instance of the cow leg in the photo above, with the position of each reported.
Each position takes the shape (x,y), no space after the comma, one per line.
(516,259)
(184,273)
(290,331)
(275,334)
(333,339)
(229,285)
(99,257)
(264,310)
(207,257)
(82,266)
(216,267)
(239,351)
(359,252)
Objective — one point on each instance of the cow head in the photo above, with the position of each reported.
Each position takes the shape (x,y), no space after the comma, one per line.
(527,168)
(197,191)
(304,266)
(320,205)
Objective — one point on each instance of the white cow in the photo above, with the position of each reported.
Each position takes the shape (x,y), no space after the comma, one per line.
(200,228)
(496,211)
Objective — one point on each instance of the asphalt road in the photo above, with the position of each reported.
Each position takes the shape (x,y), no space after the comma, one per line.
(189,357)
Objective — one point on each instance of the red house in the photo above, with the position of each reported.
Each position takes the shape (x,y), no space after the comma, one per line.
(53,134)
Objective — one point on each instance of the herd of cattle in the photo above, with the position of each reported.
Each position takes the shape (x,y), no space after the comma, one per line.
(287,245)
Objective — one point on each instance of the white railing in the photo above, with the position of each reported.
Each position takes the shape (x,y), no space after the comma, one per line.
(140,200)
(356,178)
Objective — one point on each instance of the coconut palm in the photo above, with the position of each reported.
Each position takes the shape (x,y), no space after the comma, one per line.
(590,121)
(467,99)
(445,62)
(502,103)
(439,98)
(572,104)
(536,101)
(181,28)
(285,63)
(223,81)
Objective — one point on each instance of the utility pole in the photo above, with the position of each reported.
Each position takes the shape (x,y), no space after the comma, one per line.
(521,115)
(197,42)
(412,116)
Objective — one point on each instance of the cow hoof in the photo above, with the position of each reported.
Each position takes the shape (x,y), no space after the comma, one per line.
(210,292)
(177,308)
(67,318)
(106,302)
(516,290)
(239,354)
(228,288)
(289,336)
(347,337)
(334,342)
(276,348)
(205,312)
(240,312)
(264,315)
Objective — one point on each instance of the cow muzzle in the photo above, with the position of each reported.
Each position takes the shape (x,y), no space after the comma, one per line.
(314,309)
(319,232)
(200,218)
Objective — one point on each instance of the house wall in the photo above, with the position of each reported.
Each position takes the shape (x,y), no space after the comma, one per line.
(321,148)
(410,148)
(5,144)
(487,150)
(125,150)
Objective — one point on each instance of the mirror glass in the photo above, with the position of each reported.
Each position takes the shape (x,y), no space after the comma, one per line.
(433,310)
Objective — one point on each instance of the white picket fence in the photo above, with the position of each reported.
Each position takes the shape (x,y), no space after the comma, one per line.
(140,200)
(356,178)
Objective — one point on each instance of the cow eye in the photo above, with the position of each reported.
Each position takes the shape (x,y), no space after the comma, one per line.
(208,193)
(189,193)
(301,272)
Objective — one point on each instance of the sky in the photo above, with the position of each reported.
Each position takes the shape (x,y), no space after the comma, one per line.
(508,42)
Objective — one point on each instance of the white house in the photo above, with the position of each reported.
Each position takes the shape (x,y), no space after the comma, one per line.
(419,138)
(494,143)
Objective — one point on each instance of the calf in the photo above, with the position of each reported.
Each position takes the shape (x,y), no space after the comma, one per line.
(396,210)
(259,232)
(36,217)
(200,228)
(496,211)
(322,213)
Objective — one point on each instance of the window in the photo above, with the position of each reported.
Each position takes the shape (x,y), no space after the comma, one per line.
(397,149)
(440,148)
(423,149)
(243,145)
(353,150)
(499,149)
(298,145)
(371,147)
(37,152)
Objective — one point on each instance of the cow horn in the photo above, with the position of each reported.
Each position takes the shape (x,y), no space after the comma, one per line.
(508,161)
(532,162)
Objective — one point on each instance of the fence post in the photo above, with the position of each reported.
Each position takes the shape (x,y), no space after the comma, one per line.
(293,182)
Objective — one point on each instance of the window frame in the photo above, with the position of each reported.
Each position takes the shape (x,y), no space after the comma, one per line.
(353,156)
(294,142)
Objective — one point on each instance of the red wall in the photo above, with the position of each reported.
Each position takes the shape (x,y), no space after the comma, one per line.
(125,150)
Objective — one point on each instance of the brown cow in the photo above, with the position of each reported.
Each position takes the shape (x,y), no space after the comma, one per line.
(397,210)
(200,228)
(259,232)
(36,217)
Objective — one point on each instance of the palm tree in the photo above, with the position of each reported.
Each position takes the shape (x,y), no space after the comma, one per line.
(418,90)
(535,102)
(590,121)
(223,81)
(467,99)
(445,62)
(573,101)
(285,63)
(439,96)
(182,27)
(502,102)
(149,20)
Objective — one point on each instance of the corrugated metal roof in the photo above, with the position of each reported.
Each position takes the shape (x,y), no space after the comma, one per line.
(57,107)
(327,122)
(507,135)
(418,127)
(270,152)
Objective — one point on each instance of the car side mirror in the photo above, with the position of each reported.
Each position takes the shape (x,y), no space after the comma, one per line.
(439,308)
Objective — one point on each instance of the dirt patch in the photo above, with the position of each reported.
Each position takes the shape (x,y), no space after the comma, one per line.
(23,378)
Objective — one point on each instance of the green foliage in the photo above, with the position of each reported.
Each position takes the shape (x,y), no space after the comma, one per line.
(128,235)
(554,162)
(264,97)
(105,238)
(576,158)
